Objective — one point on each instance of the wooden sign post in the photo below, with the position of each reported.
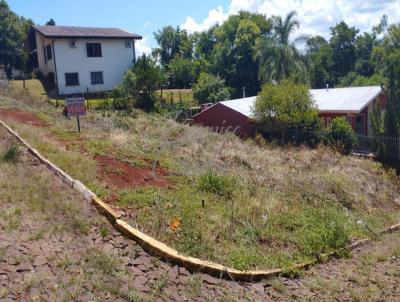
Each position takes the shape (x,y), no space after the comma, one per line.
(75,107)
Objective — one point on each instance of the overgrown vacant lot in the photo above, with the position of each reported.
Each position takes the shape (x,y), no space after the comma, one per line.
(55,246)
(215,196)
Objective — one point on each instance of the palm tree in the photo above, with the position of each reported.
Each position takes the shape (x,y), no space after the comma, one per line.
(278,57)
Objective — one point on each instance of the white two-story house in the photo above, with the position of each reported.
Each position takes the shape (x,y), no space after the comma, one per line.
(84,59)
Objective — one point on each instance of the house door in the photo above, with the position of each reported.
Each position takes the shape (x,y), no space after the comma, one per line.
(360,125)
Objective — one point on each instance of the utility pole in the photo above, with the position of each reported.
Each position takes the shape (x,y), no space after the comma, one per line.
(244,92)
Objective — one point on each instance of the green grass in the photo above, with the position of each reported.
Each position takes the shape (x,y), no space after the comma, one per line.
(238,203)
(103,262)
(34,86)
(11,155)
(177,96)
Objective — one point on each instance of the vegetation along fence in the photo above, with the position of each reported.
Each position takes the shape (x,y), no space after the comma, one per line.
(387,148)
(382,147)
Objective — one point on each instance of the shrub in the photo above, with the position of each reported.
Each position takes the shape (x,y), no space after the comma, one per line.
(11,155)
(210,89)
(287,110)
(141,81)
(120,99)
(341,135)
(216,184)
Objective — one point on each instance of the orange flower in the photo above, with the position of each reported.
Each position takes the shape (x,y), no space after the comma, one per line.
(175,224)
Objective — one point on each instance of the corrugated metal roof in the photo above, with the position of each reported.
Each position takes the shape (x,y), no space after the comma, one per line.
(353,99)
(243,106)
(84,32)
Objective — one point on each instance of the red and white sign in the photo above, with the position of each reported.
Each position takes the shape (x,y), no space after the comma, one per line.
(75,106)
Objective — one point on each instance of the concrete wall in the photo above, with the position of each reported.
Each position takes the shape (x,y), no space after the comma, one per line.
(115,61)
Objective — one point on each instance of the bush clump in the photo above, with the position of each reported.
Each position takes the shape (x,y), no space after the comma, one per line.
(341,135)
(120,99)
(216,184)
(11,155)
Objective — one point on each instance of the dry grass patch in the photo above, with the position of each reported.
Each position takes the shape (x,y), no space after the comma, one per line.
(231,201)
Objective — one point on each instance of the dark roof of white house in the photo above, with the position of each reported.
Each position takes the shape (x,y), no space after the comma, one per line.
(73,32)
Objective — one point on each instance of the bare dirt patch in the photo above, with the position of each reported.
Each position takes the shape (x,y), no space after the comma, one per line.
(23,117)
(122,175)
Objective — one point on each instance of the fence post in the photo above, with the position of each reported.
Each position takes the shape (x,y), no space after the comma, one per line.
(398,150)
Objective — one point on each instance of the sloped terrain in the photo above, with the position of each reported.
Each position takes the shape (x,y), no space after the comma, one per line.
(54,246)
(244,204)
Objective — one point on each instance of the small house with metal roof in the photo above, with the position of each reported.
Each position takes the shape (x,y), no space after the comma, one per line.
(354,103)
(82,59)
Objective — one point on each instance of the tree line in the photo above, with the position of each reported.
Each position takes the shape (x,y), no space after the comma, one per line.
(248,50)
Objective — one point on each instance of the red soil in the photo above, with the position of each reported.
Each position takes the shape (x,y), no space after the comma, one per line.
(23,117)
(122,175)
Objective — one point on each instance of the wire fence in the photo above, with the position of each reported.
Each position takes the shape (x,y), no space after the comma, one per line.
(387,148)
(381,147)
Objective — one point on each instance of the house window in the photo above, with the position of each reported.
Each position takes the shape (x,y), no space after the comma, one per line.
(96,77)
(49,54)
(72,44)
(323,121)
(72,79)
(128,44)
(93,50)
(44,55)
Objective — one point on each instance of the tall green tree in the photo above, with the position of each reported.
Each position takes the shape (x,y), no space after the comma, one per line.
(232,56)
(204,43)
(172,42)
(277,55)
(182,72)
(13,34)
(364,45)
(319,61)
(142,80)
(342,42)
(387,60)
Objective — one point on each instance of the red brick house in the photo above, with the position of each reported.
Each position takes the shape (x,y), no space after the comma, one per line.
(354,103)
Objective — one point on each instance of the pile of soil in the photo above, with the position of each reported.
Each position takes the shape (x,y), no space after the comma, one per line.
(121,175)
(23,117)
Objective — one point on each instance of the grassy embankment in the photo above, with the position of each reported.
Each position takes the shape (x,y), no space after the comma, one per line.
(235,202)
(169,96)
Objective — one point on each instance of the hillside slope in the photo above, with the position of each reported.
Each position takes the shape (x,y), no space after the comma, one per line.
(214,196)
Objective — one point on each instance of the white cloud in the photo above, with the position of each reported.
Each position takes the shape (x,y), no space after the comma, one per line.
(142,46)
(215,16)
(315,16)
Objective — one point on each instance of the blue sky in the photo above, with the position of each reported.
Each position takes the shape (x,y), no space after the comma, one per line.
(145,17)
(141,17)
